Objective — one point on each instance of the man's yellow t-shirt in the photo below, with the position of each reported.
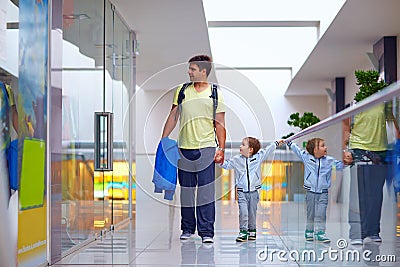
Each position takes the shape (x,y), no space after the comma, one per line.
(369,130)
(196,129)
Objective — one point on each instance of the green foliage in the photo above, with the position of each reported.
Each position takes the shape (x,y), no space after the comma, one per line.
(304,121)
(369,83)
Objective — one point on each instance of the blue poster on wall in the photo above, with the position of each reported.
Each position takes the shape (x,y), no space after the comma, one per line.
(32,121)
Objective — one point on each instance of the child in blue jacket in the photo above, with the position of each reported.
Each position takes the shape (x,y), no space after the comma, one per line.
(247,167)
(317,180)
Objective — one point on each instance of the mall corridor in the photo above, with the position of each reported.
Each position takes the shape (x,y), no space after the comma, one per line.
(87,87)
(279,231)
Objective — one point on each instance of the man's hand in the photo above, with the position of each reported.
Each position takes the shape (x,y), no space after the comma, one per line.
(219,156)
(347,158)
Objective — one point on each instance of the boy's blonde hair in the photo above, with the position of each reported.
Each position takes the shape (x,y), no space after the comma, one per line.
(312,144)
(254,143)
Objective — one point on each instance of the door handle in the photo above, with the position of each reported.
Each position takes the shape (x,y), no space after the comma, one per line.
(103,141)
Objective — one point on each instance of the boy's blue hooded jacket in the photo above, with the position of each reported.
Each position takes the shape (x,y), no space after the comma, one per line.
(165,169)
(317,171)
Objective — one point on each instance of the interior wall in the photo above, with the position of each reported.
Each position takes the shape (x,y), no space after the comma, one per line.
(282,109)
(9,39)
(350,81)
(351,88)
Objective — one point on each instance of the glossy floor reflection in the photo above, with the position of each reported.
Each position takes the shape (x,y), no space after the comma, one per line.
(280,230)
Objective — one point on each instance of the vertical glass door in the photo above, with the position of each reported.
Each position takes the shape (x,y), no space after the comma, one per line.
(118,83)
(96,78)
(83,214)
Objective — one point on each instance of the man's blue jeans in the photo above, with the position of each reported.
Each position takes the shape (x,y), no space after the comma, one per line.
(197,171)
(371,171)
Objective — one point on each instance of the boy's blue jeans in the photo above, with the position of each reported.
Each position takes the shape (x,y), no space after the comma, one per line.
(248,202)
(317,204)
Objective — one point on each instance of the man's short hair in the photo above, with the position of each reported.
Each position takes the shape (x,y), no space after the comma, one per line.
(203,62)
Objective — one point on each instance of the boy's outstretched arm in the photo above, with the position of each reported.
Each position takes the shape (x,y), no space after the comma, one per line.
(265,152)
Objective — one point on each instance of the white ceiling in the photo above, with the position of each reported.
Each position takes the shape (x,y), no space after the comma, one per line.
(169,33)
(358,25)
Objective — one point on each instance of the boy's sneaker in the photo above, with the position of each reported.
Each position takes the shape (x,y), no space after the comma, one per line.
(252,234)
(207,240)
(309,235)
(242,237)
(186,235)
(321,237)
(373,238)
(356,241)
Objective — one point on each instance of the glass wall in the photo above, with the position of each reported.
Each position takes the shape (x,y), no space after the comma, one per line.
(355,207)
(352,208)
(117,63)
(96,77)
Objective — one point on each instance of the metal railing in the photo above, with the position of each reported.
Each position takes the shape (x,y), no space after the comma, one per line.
(386,94)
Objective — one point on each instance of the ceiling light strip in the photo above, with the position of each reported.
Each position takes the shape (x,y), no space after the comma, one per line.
(253,68)
(299,23)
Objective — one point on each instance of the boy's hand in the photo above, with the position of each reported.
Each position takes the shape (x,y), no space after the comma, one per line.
(281,142)
(347,158)
(219,156)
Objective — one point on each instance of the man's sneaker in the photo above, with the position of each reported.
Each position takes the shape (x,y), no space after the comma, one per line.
(252,234)
(309,235)
(356,241)
(373,238)
(321,237)
(207,239)
(186,235)
(242,237)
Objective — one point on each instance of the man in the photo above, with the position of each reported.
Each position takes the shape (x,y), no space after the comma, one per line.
(198,133)
(366,137)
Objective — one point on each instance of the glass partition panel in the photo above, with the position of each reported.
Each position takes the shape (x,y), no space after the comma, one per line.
(332,187)
(118,76)
(339,185)
(82,96)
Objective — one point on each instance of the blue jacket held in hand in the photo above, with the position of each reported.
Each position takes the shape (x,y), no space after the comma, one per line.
(166,166)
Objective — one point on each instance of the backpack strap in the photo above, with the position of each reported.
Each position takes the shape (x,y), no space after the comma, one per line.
(214,96)
(4,89)
(181,96)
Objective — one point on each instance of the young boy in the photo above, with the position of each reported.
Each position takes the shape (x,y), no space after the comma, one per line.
(247,167)
(317,180)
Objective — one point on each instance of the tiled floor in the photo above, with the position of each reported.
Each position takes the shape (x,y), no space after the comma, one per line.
(279,241)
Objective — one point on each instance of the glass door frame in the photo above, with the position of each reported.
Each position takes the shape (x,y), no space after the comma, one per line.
(57,75)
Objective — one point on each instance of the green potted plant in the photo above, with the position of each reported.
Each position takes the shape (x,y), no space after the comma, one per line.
(301,122)
(369,82)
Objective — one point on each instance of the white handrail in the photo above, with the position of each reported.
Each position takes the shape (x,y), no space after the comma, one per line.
(388,93)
